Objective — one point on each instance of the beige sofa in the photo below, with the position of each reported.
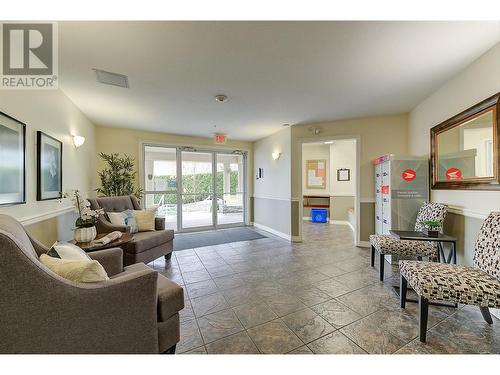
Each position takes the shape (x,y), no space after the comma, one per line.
(136,311)
(146,246)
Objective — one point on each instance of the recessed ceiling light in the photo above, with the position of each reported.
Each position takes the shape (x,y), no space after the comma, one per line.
(328,142)
(109,78)
(221,98)
(286,125)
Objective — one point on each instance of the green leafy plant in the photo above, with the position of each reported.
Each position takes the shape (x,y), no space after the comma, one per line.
(431,224)
(118,178)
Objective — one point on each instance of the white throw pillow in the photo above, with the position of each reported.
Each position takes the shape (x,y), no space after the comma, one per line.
(77,270)
(66,250)
(116,218)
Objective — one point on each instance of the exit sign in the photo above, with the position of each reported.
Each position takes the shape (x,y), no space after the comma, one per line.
(220,139)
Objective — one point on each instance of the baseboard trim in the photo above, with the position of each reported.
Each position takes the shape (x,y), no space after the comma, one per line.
(273,231)
(364,244)
(343,222)
(28,220)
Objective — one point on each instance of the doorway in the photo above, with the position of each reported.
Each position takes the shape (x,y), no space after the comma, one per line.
(329,182)
(195,189)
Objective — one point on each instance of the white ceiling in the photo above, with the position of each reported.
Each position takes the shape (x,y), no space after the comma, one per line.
(273,72)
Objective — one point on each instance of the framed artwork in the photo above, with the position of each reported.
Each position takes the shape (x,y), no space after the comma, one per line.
(316,174)
(13,160)
(343,174)
(49,167)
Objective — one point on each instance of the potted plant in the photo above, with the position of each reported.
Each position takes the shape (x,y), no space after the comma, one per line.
(118,178)
(85,230)
(432,227)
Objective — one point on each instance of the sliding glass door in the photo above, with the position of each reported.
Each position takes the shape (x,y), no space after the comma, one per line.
(195,189)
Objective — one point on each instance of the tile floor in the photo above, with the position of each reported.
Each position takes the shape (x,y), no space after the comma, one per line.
(319,296)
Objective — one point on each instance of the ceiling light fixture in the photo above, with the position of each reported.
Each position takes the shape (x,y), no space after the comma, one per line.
(328,142)
(221,98)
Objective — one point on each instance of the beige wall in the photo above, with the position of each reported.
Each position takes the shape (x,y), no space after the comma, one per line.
(478,81)
(340,206)
(272,204)
(374,141)
(52,112)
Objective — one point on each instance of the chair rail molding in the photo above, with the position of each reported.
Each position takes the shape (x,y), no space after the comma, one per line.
(28,220)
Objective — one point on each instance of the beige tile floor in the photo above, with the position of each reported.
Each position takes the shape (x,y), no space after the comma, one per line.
(319,296)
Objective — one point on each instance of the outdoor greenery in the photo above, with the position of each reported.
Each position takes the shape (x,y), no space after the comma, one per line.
(199,184)
(118,178)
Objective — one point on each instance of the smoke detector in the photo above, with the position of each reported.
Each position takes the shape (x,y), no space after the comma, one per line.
(221,98)
(109,78)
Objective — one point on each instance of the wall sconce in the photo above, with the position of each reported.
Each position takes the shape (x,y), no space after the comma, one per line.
(78,140)
(276,155)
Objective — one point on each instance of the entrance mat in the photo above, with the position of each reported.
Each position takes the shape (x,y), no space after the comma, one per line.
(193,240)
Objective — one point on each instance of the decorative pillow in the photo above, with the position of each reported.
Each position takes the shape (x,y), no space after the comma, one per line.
(123,218)
(145,220)
(80,271)
(116,218)
(66,250)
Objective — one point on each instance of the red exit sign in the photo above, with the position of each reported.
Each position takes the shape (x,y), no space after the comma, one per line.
(220,139)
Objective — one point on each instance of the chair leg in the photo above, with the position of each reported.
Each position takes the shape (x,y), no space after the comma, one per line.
(423,308)
(382,261)
(403,287)
(168,256)
(170,350)
(485,312)
(373,257)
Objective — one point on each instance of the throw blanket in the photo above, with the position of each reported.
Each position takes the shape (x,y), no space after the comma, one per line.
(107,238)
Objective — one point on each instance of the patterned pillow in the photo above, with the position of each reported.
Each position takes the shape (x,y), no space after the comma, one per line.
(130,221)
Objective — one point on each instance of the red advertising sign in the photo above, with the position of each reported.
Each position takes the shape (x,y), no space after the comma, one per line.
(385,189)
(453,174)
(409,175)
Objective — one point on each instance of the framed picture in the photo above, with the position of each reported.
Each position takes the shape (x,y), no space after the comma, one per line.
(12,160)
(343,174)
(49,167)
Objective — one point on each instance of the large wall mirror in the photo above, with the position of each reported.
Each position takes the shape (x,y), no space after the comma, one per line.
(464,149)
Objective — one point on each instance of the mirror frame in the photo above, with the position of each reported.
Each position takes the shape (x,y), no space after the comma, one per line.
(477,183)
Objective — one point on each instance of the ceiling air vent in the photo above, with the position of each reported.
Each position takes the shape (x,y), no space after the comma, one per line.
(109,78)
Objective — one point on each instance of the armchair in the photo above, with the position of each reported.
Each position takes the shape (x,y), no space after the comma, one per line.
(146,246)
(136,311)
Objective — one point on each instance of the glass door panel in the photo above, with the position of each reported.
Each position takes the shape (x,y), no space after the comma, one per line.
(160,183)
(230,188)
(197,189)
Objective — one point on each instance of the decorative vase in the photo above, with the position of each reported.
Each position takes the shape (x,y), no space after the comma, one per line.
(85,234)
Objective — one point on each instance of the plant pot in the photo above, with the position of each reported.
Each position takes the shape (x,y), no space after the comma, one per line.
(85,234)
(432,233)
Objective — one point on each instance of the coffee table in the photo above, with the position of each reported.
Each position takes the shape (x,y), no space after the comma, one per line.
(120,242)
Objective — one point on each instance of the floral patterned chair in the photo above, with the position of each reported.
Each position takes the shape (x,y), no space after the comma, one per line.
(388,245)
(478,285)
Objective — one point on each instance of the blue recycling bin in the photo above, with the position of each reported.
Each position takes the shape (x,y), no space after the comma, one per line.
(319,215)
